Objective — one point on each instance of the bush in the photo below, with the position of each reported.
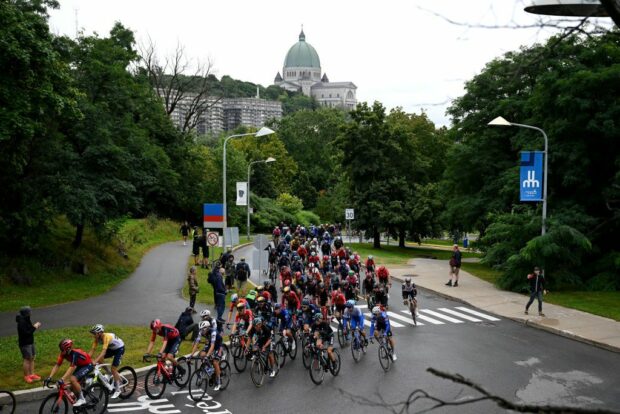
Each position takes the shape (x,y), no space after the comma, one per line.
(267,214)
(289,203)
(306,218)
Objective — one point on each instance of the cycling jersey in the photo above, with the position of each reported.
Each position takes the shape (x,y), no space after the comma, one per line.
(109,341)
(233,305)
(383,273)
(285,319)
(325,331)
(409,290)
(308,315)
(76,357)
(356,317)
(369,284)
(167,332)
(381,323)
(262,336)
(247,316)
(291,301)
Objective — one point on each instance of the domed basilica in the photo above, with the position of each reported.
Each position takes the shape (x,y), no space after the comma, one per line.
(302,72)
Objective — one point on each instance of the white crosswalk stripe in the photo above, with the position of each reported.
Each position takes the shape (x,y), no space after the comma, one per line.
(479,314)
(392,323)
(441,316)
(427,319)
(460,315)
(394,315)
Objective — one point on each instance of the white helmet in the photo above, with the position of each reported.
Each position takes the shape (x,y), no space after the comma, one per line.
(205,325)
(98,328)
(205,313)
(376,310)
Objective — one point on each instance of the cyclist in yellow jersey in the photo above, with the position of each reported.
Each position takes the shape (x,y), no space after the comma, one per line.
(112,347)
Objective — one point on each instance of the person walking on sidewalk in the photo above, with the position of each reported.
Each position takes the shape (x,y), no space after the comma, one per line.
(242,273)
(455,266)
(184,232)
(25,337)
(537,289)
(192,281)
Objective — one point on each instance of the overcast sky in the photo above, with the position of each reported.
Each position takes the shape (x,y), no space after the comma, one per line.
(394,51)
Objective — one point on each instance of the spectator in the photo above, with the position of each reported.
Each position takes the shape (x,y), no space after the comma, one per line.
(204,246)
(537,289)
(242,273)
(193,286)
(220,294)
(185,324)
(184,232)
(25,334)
(455,266)
(196,243)
(229,267)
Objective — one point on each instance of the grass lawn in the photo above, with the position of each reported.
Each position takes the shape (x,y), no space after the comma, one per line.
(394,255)
(205,296)
(482,271)
(440,242)
(46,342)
(598,303)
(52,280)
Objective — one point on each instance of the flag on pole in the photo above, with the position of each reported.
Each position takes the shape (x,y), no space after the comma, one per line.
(242,193)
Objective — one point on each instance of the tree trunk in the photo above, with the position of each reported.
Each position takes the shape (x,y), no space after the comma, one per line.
(377,239)
(401,237)
(79,232)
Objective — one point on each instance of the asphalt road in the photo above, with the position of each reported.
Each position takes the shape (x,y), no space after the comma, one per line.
(511,360)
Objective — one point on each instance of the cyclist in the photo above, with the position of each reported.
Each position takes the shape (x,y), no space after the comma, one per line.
(111,347)
(355,317)
(290,299)
(263,342)
(384,276)
(370,265)
(409,291)
(218,325)
(338,301)
(171,339)
(368,284)
(324,334)
(380,294)
(283,316)
(308,310)
(271,288)
(234,301)
(380,323)
(212,348)
(251,299)
(81,365)
(264,310)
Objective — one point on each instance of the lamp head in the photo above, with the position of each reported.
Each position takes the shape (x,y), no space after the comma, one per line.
(270,159)
(499,121)
(264,131)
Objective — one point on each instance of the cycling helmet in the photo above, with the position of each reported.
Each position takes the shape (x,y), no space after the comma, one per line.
(286,289)
(240,305)
(376,310)
(205,313)
(259,288)
(321,285)
(258,320)
(155,325)
(297,275)
(266,284)
(233,298)
(260,299)
(407,280)
(98,328)
(204,325)
(311,265)
(65,345)
(317,316)
(370,257)
(350,303)
(287,282)
(277,306)
(351,272)
(305,302)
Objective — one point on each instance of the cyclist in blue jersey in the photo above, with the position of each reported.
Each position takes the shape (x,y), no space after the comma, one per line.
(283,319)
(354,317)
(380,323)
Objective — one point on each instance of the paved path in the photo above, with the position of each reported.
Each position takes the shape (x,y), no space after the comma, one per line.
(153,290)
(433,274)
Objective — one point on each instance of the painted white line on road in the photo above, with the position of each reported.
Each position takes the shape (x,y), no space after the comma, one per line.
(426,318)
(481,315)
(441,316)
(460,315)
(361,306)
(403,318)
(392,323)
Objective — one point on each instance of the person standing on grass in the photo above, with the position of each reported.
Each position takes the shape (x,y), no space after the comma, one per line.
(537,289)
(25,337)
(192,281)
(455,266)
(184,232)
(204,246)
(219,291)
(242,273)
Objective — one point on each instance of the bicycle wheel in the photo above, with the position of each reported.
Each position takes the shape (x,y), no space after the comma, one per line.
(52,404)
(412,309)
(257,372)
(182,380)
(384,358)
(341,339)
(225,374)
(356,349)
(7,402)
(281,352)
(317,373)
(292,347)
(96,396)
(306,357)
(239,359)
(154,384)
(198,384)
(129,380)
(334,368)
(225,353)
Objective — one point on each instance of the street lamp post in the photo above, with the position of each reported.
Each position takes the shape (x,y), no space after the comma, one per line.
(260,133)
(270,159)
(499,121)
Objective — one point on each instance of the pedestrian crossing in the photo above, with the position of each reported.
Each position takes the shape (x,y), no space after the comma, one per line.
(430,317)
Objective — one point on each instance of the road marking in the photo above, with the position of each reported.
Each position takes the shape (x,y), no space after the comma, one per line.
(481,315)
(361,306)
(460,315)
(403,318)
(426,318)
(392,323)
(441,316)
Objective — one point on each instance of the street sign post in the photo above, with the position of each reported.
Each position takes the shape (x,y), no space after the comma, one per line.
(231,236)
(349,214)
(213,216)
(213,238)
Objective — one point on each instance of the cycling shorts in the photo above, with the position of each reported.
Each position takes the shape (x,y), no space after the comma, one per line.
(286,324)
(217,350)
(387,333)
(172,347)
(116,354)
(81,372)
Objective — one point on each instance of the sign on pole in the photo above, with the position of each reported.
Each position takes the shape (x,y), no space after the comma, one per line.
(531,176)
(213,238)
(231,236)
(349,214)
(242,193)
(213,216)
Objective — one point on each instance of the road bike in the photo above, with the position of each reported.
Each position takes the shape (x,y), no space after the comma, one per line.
(260,366)
(273,272)
(7,402)
(342,332)
(285,346)
(358,345)
(103,376)
(165,373)
(321,363)
(204,377)
(412,304)
(385,353)
(238,348)
(96,396)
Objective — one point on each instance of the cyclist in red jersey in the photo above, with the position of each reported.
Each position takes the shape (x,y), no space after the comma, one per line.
(81,365)
(338,301)
(245,315)
(234,301)
(171,339)
(384,276)
(290,299)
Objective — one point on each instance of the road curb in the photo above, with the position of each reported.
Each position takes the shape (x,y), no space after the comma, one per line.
(526,322)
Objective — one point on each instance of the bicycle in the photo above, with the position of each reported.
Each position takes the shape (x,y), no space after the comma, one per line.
(321,363)
(273,272)
(412,304)
(342,332)
(7,402)
(96,396)
(385,353)
(164,373)
(239,351)
(358,345)
(284,347)
(129,379)
(204,377)
(260,366)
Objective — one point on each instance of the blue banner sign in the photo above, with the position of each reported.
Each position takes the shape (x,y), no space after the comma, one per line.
(531,176)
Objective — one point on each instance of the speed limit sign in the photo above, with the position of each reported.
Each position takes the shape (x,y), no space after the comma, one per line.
(349,214)
(213,238)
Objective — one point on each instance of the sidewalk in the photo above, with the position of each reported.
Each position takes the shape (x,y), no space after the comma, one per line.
(433,274)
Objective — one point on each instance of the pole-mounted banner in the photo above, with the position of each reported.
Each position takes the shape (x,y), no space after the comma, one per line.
(531,176)
(242,193)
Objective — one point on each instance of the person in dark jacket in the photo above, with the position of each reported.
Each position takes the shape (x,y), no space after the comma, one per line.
(185,324)
(220,293)
(537,289)
(25,337)
(455,266)
(242,273)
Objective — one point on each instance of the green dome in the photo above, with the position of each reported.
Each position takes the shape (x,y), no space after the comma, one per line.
(302,55)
